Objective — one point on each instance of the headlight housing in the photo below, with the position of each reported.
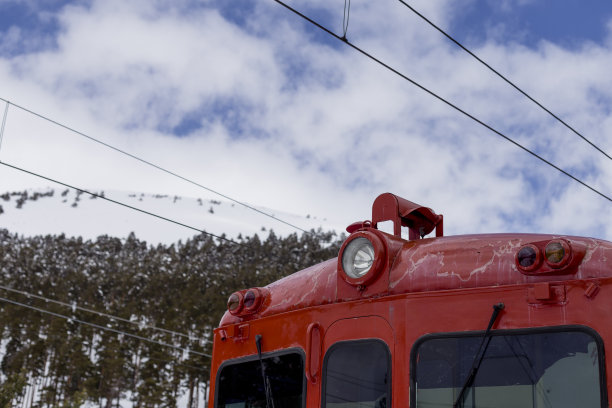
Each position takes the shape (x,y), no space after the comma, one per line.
(247,302)
(362,258)
(550,256)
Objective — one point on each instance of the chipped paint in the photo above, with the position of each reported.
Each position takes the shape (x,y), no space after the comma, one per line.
(444,263)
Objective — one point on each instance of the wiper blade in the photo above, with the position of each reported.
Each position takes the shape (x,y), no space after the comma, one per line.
(484,344)
(266,380)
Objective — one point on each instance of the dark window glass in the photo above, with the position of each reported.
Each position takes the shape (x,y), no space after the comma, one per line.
(241,385)
(357,375)
(539,369)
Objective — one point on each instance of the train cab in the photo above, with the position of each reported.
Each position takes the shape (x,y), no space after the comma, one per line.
(492,321)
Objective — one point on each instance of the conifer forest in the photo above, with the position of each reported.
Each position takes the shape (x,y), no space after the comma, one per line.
(53,361)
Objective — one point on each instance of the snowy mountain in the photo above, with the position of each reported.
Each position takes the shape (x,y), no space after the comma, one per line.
(56,351)
(56,211)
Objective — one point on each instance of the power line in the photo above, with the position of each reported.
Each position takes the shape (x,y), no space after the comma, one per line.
(503,77)
(97,326)
(148,163)
(345,18)
(119,203)
(3,123)
(174,363)
(423,88)
(75,306)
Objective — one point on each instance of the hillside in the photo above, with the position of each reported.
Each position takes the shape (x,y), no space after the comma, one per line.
(56,211)
(63,355)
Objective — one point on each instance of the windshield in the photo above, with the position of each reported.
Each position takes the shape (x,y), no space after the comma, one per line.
(532,370)
(357,374)
(240,385)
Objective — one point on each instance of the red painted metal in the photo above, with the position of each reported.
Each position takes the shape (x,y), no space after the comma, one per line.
(432,285)
(313,351)
(419,220)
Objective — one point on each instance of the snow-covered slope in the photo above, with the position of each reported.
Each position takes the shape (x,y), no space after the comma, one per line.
(57,211)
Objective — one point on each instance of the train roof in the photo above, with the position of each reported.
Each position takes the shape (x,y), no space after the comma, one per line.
(434,264)
(401,266)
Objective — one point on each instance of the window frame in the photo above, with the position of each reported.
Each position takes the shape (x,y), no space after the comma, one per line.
(603,391)
(255,357)
(337,344)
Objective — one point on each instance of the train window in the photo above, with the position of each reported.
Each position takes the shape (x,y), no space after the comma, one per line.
(241,384)
(357,374)
(536,369)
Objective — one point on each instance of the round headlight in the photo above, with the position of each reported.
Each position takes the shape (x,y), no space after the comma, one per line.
(252,300)
(554,252)
(528,258)
(249,299)
(358,257)
(234,303)
(557,253)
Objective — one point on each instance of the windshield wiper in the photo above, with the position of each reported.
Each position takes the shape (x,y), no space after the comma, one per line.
(479,355)
(266,380)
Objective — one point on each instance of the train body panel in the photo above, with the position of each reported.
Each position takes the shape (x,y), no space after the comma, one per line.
(411,329)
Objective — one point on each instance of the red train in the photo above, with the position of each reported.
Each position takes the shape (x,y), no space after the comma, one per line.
(491,321)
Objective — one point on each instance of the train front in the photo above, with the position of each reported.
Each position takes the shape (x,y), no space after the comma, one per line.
(495,321)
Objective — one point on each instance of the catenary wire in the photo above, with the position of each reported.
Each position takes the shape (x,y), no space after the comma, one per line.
(435,95)
(75,306)
(512,84)
(151,164)
(345,18)
(174,363)
(97,326)
(3,123)
(119,203)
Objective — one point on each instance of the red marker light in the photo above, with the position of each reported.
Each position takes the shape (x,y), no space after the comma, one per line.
(557,253)
(550,256)
(528,257)
(554,252)
(249,299)
(234,303)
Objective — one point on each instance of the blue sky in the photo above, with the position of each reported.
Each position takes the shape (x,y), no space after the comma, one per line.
(38,23)
(245,97)
(568,23)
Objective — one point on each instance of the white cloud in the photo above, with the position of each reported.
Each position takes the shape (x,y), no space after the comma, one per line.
(324,130)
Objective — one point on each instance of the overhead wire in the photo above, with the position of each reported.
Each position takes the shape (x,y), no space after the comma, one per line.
(151,164)
(3,123)
(174,363)
(110,329)
(119,203)
(345,18)
(450,104)
(119,332)
(512,84)
(107,315)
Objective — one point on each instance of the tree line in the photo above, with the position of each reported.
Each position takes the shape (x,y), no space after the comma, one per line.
(48,361)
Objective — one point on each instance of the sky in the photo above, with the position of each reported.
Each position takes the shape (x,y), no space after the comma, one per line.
(248,99)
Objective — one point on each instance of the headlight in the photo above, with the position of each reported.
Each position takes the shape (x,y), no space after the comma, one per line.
(557,253)
(545,257)
(358,257)
(362,258)
(252,300)
(247,302)
(235,303)
(528,257)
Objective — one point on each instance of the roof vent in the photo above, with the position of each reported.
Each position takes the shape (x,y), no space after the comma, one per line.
(419,220)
